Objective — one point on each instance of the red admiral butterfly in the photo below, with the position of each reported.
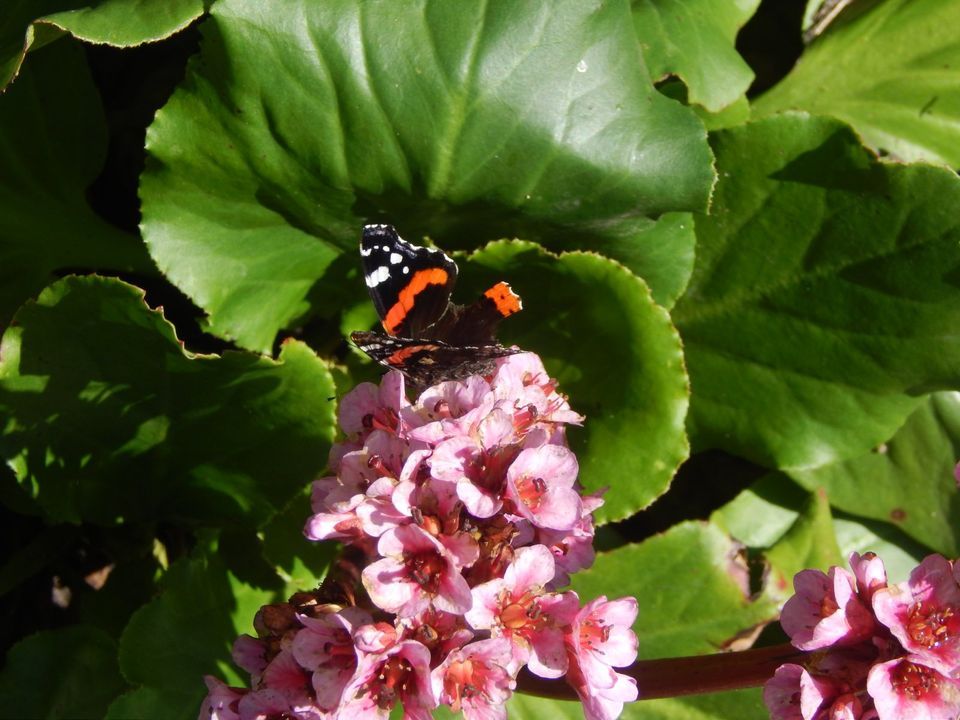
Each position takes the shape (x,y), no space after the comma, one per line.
(429,338)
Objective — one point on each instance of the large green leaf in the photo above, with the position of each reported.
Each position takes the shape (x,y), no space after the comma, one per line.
(52,144)
(892,71)
(466,121)
(613,351)
(907,481)
(30,24)
(824,294)
(109,419)
(694,40)
(67,673)
(690,586)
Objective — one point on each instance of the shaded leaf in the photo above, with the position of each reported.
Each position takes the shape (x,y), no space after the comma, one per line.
(53,142)
(31,24)
(185,633)
(147,703)
(694,40)
(487,121)
(108,418)
(616,354)
(891,69)
(67,673)
(823,296)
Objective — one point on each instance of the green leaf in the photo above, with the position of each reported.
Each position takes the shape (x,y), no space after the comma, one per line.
(907,481)
(823,296)
(747,518)
(892,71)
(633,392)
(108,418)
(661,253)
(761,514)
(52,145)
(468,122)
(900,554)
(30,24)
(67,673)
(742,704)
(302,564)
(694,40)
(146,703)
(690,585)
(810,543)
(186,633)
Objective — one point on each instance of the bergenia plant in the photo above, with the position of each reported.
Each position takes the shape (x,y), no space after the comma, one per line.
(662,488)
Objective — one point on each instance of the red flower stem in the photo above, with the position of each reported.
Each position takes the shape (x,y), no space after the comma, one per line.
(673,677)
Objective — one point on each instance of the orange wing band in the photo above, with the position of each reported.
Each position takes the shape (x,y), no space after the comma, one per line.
(505,299)
(418,283)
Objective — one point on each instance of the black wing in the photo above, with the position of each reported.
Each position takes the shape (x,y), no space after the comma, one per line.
(410,285)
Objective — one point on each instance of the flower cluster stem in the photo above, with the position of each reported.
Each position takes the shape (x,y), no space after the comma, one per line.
(675,677)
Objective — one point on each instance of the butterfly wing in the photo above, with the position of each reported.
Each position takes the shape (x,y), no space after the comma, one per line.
(427,362)
(410,285)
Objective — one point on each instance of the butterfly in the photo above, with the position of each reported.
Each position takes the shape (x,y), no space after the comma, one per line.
(428,337)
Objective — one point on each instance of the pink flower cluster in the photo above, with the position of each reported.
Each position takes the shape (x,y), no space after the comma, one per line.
(465,514)
(889,652)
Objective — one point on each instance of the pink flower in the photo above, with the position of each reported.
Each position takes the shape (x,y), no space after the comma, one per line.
(419,570)
(783,695)
(401,673)
(477,679)
(903,689)
(476,463)
(250,654)
(793,693)
(870,573)
(221,701)
(825,610)
(522,380)
(540,484)
(453,399)
(601,703)
(284,688)
(924,614)
(368,407)
(601,639)
(572,549)
(518,608)
(325,647)
(440,632)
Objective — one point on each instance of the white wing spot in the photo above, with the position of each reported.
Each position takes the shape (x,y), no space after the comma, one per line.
(406,270)
(395,258)
(381,274)
(366,252)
